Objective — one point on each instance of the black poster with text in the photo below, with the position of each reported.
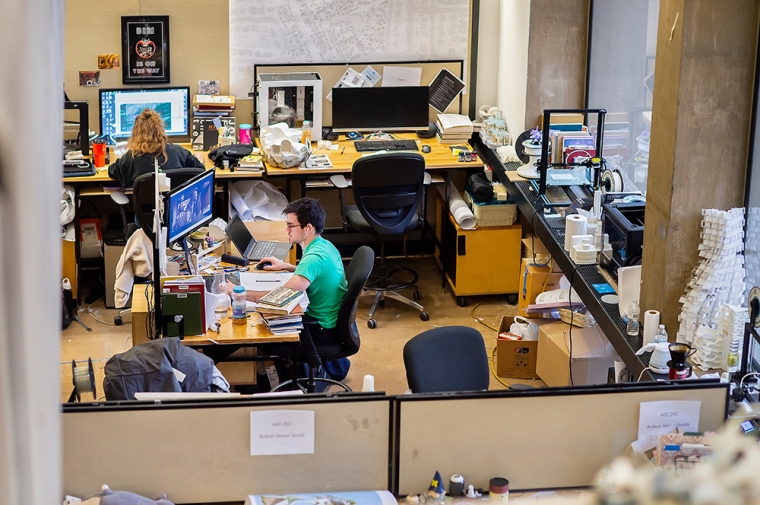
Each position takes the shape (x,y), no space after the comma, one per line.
(145,49)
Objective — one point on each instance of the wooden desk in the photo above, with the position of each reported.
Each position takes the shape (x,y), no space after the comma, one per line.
(342,159)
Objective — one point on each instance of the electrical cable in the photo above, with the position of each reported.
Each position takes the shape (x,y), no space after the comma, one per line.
(91,313)
(572,315)
(492,357)
(642,374)
(491,362)
(480,320)
(533,242)
(741,382)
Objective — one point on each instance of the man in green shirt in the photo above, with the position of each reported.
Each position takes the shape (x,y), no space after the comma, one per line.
(320,272)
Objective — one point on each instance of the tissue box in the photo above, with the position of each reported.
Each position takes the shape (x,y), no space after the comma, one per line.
(592,355)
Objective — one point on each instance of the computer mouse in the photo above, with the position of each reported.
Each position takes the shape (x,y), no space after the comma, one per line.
(260,266)
(426,149)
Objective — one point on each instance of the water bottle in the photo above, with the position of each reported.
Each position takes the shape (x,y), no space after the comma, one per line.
(238,305)
(306,133)
(219,287)
(633,319)
(662,335)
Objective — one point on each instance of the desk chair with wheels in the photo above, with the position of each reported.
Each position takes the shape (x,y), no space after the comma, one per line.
(449,358)
(143,201)
(357,273)
(387,190)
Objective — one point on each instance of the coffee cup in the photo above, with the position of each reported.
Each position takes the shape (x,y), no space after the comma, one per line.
(99,152)
(679,352)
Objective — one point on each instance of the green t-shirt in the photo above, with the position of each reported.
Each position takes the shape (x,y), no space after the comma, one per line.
(321,265)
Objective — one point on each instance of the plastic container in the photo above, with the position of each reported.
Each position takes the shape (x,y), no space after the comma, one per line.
(238,305)
(495,213)
(245,134)
(220,287)
(306,133)
(662,335)
(99,152)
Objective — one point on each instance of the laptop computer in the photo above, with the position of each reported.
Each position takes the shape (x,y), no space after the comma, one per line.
(249,247)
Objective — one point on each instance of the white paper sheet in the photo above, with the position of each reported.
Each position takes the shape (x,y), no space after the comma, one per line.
(276,432)
(264,281)
(371,77)
(401,76)
(659,418)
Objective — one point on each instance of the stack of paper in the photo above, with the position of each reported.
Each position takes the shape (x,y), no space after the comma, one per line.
(454,128)
(213,105)
(251,163)
(719,277)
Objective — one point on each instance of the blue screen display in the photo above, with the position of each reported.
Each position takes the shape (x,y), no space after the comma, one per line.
(190,206)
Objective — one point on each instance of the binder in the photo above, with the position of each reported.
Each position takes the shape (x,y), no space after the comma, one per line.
(187,305)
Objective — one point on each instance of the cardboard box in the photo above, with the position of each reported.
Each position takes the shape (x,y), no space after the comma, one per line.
(516,359)
(542,253)
(534,280)
(238,372)
(592,355)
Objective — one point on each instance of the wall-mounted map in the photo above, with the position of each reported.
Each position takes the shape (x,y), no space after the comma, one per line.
(343,31)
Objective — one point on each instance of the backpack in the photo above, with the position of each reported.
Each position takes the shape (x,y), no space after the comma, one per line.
(232,153)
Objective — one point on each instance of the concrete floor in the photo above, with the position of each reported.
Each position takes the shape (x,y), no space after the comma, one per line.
(381,350)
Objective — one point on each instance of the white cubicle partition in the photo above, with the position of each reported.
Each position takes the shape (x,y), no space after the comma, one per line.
(200,452)
(538,439)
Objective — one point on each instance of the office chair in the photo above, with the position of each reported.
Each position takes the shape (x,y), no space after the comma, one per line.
(449,358)
(387,190)
(357,273)
(143,200)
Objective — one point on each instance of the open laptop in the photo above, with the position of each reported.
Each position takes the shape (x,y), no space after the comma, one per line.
(249,247)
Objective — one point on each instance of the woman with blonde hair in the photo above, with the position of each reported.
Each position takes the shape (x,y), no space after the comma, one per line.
(147,143)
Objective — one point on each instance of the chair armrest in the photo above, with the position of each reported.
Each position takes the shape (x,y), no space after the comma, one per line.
(427,179)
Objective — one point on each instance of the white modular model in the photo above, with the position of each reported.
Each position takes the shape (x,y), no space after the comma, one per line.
(291,98)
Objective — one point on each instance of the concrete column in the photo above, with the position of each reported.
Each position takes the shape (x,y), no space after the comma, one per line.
(702,107)
(557,50)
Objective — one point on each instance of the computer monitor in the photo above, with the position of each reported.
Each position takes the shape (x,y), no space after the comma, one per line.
(395,108)
(190,206)
(120,107)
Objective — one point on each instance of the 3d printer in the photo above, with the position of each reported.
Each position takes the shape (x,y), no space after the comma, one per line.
(624,223)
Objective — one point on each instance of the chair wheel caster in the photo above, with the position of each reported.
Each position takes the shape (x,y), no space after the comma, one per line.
(512,299)
(424,315)
(417,295)
(372,324)
(462,301)
(117,321)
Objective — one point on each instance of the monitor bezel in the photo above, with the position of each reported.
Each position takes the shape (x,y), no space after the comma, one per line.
(169,214)
(188,122)
(386,128)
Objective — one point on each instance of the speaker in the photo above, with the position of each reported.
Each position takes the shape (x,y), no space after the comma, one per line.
(329,134)
(429,133)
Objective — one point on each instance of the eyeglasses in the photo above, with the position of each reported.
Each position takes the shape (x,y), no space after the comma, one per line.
(291,226)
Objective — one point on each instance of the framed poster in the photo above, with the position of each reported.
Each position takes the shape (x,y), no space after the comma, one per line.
(145,49)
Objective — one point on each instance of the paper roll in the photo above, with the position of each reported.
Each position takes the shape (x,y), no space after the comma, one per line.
(459,209)
(575,224)
(651,323)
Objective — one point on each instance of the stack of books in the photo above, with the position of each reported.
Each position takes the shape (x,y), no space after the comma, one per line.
(213,105)
(251,163)
(282,309)
(454,129)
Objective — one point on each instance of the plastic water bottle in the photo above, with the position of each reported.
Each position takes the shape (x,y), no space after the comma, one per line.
(219,287)
(633,319)
(662,335)
(306,133)
(238,305)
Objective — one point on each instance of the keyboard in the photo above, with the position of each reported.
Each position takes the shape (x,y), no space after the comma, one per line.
(262,250)
(385,145)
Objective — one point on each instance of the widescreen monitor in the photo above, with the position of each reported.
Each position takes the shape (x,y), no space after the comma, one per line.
(120,107)
(394,108)
(190,206)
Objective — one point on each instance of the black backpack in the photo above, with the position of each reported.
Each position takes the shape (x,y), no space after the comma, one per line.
(232,153)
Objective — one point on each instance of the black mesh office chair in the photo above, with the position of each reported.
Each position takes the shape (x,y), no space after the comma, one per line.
(357,273)
(449,358)
(387,191)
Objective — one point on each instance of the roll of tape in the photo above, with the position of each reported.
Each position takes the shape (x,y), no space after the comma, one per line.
(83,379)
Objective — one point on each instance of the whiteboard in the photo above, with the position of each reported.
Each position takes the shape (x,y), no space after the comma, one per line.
(343,31)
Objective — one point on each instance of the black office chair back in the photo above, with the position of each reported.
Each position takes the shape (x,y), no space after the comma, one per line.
(143,194)
(357,273)
(449,358)
(387,190)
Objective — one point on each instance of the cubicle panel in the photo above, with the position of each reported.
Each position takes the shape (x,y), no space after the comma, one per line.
(537,439)
(201,453)
(332,72)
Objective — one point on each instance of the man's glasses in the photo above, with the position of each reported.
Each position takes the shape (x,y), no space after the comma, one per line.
(291,226)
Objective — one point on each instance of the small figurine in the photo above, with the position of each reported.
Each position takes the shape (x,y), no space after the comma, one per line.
(471,493)
(436,490)
(412,498)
